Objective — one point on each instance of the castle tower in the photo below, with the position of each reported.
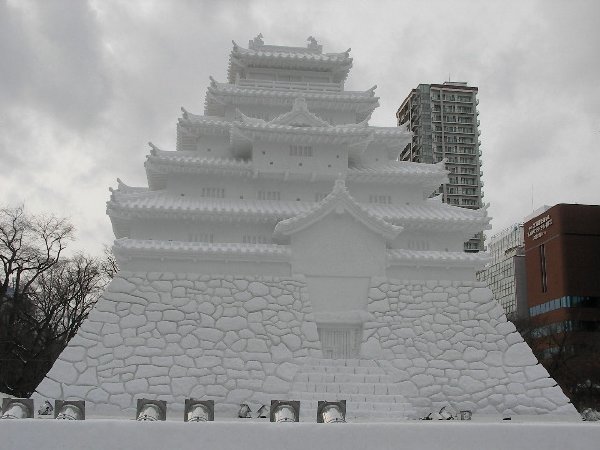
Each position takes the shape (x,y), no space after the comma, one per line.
(283,252)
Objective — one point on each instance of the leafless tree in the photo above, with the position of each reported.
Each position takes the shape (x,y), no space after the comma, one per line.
(29,246)
(108,267)
(44,296)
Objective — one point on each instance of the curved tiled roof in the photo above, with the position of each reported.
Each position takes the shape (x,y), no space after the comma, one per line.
(191,159)
(229,89)
(399,256)
(126,246)
(196,119)
(398,168)
(432,214)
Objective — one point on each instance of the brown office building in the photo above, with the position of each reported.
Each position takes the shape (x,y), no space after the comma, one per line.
(562,258)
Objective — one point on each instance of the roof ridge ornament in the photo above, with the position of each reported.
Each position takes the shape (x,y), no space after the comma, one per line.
(241,117)
(339,185)
(257,42)
(153,149)
(300,104)
(314,45)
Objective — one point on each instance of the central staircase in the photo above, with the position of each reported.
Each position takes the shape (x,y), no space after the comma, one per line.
(370,390)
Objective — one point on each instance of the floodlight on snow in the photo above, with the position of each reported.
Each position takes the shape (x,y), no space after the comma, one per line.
(199,410)
(17,408)
(466,415)
(446,413)
(331,412)
(69,409)
(151,410)
(46,409)
(245,412)
(263,412)
(285,411)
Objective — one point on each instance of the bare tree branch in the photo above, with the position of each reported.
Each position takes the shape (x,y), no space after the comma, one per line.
(44,297)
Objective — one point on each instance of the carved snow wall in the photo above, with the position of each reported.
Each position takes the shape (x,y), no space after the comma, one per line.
(244,339)
(450,343)
(171,337)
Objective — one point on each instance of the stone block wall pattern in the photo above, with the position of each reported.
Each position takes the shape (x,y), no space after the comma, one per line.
(170,337)
(450,343)
(252,339)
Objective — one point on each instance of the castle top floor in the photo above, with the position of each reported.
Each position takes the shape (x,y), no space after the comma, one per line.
(282,67)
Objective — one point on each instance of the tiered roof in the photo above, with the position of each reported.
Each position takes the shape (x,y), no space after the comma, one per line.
(299,125)
(126,247)
(272,56)
(436,258)
(258,92)
(432,214)
(159,164)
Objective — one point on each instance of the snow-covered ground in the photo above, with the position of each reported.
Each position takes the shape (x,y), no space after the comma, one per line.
(430,435)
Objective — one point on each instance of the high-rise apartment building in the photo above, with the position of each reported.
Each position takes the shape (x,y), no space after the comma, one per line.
(443,119)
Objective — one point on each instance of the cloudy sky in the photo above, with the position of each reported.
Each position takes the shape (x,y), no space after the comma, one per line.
(84,85)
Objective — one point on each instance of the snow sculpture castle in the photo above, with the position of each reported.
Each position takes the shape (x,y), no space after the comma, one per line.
(283,252)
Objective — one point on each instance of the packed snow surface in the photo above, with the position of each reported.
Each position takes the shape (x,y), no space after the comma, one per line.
(456,435)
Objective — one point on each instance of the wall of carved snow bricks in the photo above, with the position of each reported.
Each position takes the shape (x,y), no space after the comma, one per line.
(450,344)
(243,339)
(174,336)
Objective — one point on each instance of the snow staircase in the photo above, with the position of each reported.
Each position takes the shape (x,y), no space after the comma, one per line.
(369,389)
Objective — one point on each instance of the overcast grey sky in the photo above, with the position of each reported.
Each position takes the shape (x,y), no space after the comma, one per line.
(84,85)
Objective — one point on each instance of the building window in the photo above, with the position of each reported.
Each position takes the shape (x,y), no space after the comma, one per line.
(544,274)
(213,192)
(269,195)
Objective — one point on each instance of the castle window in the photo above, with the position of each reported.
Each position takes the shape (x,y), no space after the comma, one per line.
(418,244)
(301,150)
(213,192)
(200,237)
(255,239)
(269,195)
(383,199)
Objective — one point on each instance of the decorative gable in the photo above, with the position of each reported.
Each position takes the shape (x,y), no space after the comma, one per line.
(299,116)
(339,201)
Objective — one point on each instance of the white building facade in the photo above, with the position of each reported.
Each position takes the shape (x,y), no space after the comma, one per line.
(283,252)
